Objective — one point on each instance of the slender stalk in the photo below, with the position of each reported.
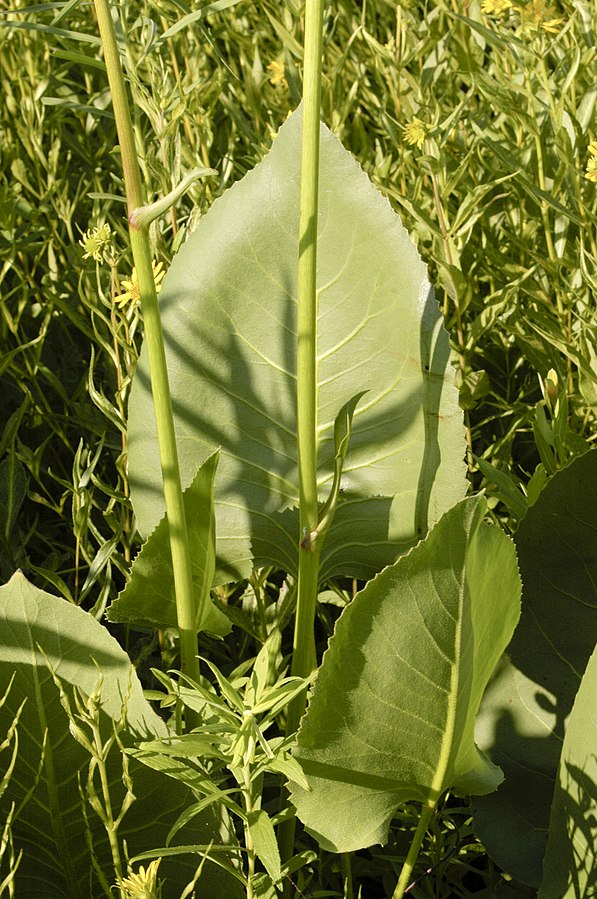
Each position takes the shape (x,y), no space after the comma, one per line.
(303,656)
(304,641)
(248,803)
(413,852)
(109,821)
(140,245)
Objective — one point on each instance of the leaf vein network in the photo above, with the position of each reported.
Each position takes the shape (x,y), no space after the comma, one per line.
(258,410)
(290,496)
(440,652)
(396,708)
(370,316)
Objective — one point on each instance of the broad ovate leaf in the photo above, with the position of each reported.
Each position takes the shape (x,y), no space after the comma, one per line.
(524,712)
(229,314)
(570,864)
(149,597)
(42,636)
(392,713)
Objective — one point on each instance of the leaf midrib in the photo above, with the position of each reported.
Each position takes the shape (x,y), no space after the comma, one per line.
(438,784)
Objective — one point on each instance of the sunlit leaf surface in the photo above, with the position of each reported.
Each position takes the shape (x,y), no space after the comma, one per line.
(229,306)
(392,713)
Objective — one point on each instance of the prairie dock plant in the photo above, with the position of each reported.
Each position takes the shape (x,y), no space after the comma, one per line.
(261,419)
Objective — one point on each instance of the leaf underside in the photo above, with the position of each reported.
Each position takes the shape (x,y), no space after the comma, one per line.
(229,309)
(570,864)
(522,719)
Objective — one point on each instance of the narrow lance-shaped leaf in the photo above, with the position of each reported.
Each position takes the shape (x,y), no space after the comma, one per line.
(229,310)
(392,713)
(264,842)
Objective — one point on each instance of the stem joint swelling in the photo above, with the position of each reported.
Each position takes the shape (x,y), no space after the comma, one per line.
(134,224)
(310,539)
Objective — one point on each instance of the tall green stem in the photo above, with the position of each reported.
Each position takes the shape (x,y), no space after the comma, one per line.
(413,852)
(303,656)
(140,245)
(248,789)
(304,641)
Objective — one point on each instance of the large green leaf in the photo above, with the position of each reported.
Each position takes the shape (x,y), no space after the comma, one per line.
(570,865)
(229,309)
(39,634)
(392,713)
(149,597)
(524,711)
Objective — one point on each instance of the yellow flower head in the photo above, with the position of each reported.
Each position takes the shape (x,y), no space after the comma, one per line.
(415,133)
(540,15)
(132,291)
(95,242)
(553,25)
(495,7)
(143,884)
(591,172)
(276,67)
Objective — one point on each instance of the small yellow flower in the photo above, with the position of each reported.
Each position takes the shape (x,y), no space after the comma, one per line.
(276,67)
(591,172)
(132,291)
(95,241)
(415,132)
(495,7)
(553,25)
(142,885)
(537,14)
